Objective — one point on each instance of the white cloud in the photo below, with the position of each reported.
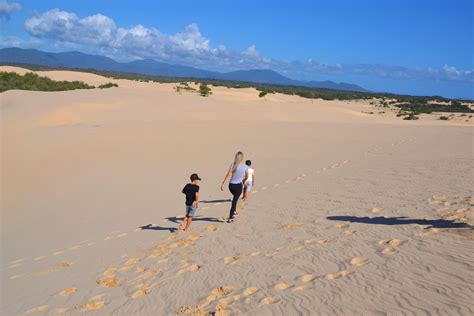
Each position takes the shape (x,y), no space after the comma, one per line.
(13,41)
(68,27)
(99,33)
(7,9)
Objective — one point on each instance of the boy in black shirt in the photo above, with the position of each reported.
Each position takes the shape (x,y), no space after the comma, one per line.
(191,190)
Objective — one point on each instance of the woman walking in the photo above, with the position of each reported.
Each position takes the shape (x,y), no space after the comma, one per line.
(238,174)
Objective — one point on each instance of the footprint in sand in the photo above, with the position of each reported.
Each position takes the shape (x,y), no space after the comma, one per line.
(376,210)
(282,286)
(140,293)
(300,247)
(68,291)
(16,265)
(255,253)
(250,291)
(60,252)
(388,251)
(315,241)
(341,225)
(56,267)
(194,237)
(226,301)
(38,309)
(340,274)
(391,242)
(231,260)
(189,268)
(91,306)
(125,268)
(191,310)
(290,226)
(269,300)
(39,258)
(359,261)
(132,261)
(219,292)
(60,310)
(264,188)
(17,276)
(276,185)
(301,288)
(308,277)
(109,282)
(109,272)
(16,261)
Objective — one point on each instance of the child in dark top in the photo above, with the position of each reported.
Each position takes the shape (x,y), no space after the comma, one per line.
(191,190)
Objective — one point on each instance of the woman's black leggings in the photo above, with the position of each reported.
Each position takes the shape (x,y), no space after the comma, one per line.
(236,190)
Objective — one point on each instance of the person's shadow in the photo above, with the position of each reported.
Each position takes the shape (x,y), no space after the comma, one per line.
(400,220)
(215,201)
(151,227)
(178,220)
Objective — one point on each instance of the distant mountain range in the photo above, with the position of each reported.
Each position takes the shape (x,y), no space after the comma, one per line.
(152,67)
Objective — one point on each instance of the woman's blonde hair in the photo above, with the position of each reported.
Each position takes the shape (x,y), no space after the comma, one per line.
(239,157)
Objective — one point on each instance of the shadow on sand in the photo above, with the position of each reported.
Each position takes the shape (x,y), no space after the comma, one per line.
(401,220)
(151,227)
(215,201)
(178,220)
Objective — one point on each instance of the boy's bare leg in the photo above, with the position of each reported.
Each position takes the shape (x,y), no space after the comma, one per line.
(183,223)
(188,223)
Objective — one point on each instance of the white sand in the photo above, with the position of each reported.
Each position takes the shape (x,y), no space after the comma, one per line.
(341,221)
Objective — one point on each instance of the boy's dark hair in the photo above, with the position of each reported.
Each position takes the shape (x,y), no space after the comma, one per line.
(248,162)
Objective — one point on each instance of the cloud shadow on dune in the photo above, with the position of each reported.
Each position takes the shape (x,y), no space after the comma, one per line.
(400,220)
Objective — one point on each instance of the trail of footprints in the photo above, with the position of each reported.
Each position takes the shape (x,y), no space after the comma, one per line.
(219,299)
(118,234)
(222,296)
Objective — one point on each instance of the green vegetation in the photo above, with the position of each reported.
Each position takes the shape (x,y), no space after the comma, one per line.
(184,86)
(407,106)
(33,82)
(107,85)
(411,117)
(204,90)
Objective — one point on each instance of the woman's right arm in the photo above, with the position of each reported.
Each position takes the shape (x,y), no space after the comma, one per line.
(225,178)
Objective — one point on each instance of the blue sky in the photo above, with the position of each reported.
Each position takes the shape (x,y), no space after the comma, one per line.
(422,47)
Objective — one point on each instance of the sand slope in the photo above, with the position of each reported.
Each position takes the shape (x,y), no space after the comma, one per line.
(352,214)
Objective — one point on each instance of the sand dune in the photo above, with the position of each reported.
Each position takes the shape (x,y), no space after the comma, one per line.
(352,213)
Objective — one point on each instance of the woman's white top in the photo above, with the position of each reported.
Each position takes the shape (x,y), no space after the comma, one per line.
(239,173)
